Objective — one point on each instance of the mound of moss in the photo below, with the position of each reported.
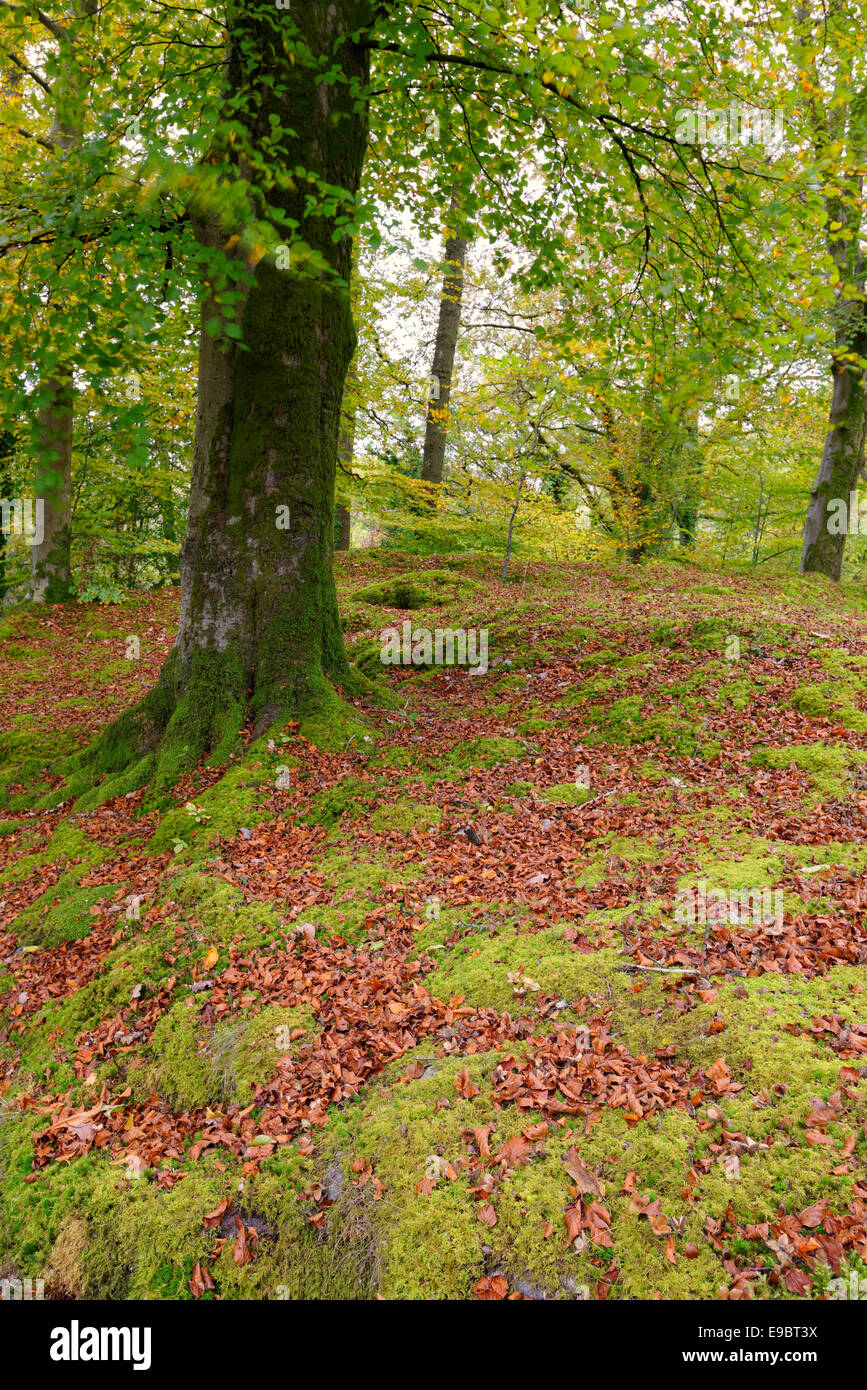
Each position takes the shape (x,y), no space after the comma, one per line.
(566,794)
(830,700)
(408,591)
(487,752)
(624,722)
(828,766)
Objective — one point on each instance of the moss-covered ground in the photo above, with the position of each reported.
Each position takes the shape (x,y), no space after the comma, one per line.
(547,981)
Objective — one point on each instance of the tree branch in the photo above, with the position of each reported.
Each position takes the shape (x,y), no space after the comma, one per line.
(40,140)
(28,70)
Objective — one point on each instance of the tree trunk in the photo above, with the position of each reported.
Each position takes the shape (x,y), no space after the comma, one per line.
(842,458)
(689,458)
(170,534)
(436,427)
(259,627)
(345,452)
(51,571)
(508,555)
(7,448)
(843,452)
(344,526)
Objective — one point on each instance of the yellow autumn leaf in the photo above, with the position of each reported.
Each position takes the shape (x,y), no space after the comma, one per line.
(211,958)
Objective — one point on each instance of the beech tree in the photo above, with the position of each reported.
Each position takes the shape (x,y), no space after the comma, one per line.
(837,113)
(259,628)
(273,203)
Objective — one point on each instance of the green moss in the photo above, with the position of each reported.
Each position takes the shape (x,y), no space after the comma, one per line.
(827,766)
(69,919)
(624,722)
(566,794)
(519,789)
(109,1236)
(410,591)
(355,880)
(734,694)
(354,619)
(335,725)
(67,844)
(530,726)
(487,752)
(189,1066)
(479,965)
(829,700)
(130,780)
(220,910)
(601,658)
(140,1241)
(366,654)
(235,801)
(406,815)
(350,797)
(665,635)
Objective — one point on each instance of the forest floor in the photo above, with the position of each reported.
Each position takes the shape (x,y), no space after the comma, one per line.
(405,1001)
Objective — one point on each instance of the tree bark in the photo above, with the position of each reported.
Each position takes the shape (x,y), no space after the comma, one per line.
(843,451)
(259,627)
(344,526)
(508,555)
(7,448)
(436,426)
(842,458)
(345,452)
(51,568)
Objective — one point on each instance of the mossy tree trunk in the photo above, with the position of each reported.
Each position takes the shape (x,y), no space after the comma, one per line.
(345,454)
(259,629)
(842,458)
(51,568)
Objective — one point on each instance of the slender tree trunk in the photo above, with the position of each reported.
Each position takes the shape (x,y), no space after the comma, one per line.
(505,570)
(51,571)
(170,534)
(7,448)
(344,526)
(345,452)
(436,427)
(687,503)
(259,627)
